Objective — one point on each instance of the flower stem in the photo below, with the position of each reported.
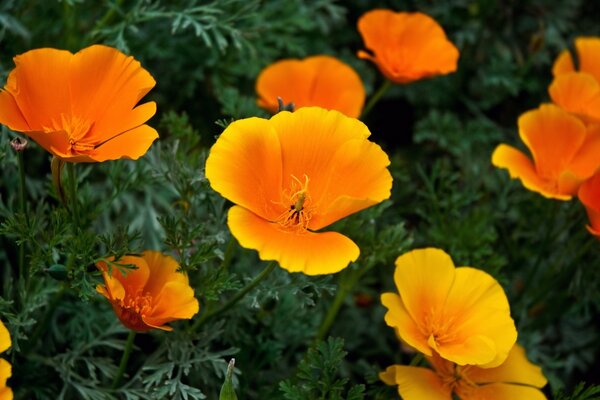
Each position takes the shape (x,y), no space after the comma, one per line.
(124,360)
(332,312)
(238,296)
(375,97)
(73,196)
(22,272)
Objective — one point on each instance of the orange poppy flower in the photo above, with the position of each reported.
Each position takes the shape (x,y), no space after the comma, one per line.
(460,313)
(578,91)
(321,81)
(406,46)
(516,378)
(589,195)
(565,152)
(5,368)
(151,295)
(293,175)
(80,107)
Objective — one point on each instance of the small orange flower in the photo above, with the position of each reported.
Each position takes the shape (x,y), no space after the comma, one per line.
(80,107)
(516,378)
(322,81)
(589,195)
(406,46)
(5,368)
(151,295)
(578,91)
(565,152)
(294,175)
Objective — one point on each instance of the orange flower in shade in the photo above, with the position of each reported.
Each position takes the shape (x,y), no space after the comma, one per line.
(5,368)
(406,46)
(151,295)
(80,107)
(589,195)
(516,378)
(578,91)
(460,313)
(293,175)
(322,81)
(564,151)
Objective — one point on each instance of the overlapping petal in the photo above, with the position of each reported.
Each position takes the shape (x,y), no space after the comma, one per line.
(416,383)
(589,195)
(406,46)
(322,81)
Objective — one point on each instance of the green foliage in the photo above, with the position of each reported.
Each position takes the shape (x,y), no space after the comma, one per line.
(581,392)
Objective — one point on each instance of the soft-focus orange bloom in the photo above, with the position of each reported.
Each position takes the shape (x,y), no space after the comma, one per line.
(589,195)
(406,46)
(80,107)
(293,175)
(322,81)
(578,91)
(151,295)
(460,313)
(5,368)
(516,378)
(565,152)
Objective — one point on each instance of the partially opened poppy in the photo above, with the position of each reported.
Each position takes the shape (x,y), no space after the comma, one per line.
(5,368)
(294,175)
(589,195)
(80,107)
(460,313)
(565,152)
(406,46)
(516,378)
(322,81)
(150,295)
(578,90)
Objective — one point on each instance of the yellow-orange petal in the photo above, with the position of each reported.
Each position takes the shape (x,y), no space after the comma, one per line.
(321,80)
(5,373)
(415,383)
(131,144)
(134,279)
(245,165)
(501,391)
(5,341)
(163,268)
(588,51)
(521,167)
(307,252)
(176,300)
(10,114)
(6,394)
(406,327)
(563,64)
(589,195)
(577,93)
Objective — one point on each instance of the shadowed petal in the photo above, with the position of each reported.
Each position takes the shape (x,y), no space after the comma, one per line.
(501,391)
(416,383)
(131,144)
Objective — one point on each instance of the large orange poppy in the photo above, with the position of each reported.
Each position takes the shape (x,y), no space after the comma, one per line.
(292,176)
(406,46)
(80,107)
(5,368)
(322,81)
(589,195)
(565,152)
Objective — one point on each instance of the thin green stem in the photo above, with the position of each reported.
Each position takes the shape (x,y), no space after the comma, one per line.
(73,196)
(229,251)
(22,266)
(386,84)
(238,296)
(332,312)
(124,360)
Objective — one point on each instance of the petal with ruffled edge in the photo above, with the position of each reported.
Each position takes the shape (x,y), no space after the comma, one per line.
(577,93)
(406,327)
(307,252)
(415,383)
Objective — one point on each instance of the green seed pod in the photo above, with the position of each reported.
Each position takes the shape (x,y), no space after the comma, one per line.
(58,272)
(227,391)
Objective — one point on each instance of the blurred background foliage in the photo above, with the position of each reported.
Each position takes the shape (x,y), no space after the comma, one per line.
(205,56)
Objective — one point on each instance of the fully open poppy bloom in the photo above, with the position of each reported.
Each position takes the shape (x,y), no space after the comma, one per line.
(589,195)
(151,295)
(80,107)
(406,46)
(578,91)
(516,378)
(565,152)
(322,81)
(293,175)
(5,368)
(460,313)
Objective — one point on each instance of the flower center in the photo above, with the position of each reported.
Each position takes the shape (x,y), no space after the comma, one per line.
(133,308)
(453,376)
(76,129)
(298,207)
(439,330)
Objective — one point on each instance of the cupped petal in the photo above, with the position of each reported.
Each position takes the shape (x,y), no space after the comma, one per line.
(587,160)
(563,64)
(163,269)
(588,51)
(131,144)
(307,252)
(5,341)
(500,391)
(245,166)
(415,383)
(407,328)
(134,279)
(10,113)
(176,300)
(589,195)
(577,93)
(477,350)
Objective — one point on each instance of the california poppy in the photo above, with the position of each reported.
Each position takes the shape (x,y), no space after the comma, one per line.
(406,46)
(578,90)
(516,378)
(293,175)
(322,81)
(460,313)
(80,107)
(5,368)
(565,152)
(589,195)
(150,295)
